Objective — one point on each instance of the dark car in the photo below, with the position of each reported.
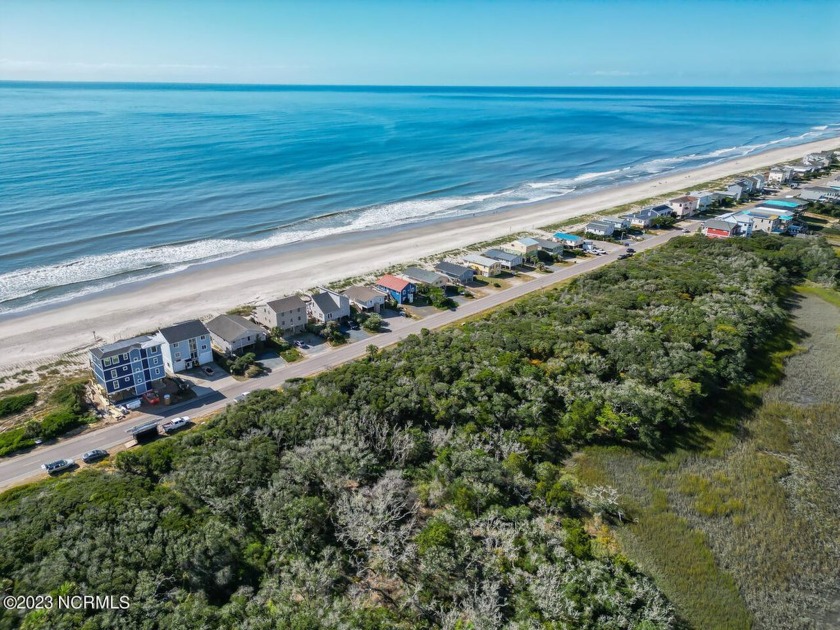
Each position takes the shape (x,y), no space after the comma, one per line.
(623,256)
(353,326)
(208,371)
(630,250)
(94,456)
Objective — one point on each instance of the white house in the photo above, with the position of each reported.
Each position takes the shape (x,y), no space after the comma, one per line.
(779,175)
(328,306)
(600,228)
(704,199)
(684,206)
(185,346)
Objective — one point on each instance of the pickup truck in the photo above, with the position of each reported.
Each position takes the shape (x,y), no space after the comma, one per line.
(59,465)
(175,425)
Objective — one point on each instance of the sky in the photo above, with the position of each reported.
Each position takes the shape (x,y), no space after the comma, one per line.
(429,42)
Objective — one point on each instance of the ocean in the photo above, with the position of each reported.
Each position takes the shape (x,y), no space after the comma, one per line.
(105,184)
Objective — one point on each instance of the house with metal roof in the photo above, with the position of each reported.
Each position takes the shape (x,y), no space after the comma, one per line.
(482,265)
(457,273)
(232,334)
(328,306)
(552,247)
(185,345)
(128,368)
(716,228)
(424,276)
(599,228)
(568,240)
(288,314)
(365,298)
(527,246)
(400,290)
(508,260)
(645,216)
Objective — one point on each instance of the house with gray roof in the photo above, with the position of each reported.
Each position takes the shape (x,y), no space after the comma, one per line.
(287,313)
(507,260)
(457,273)
(328,306)
(364,298)
(599,228)
(424,276)
(128,368)
(232,334)
(185,345)
(552,247)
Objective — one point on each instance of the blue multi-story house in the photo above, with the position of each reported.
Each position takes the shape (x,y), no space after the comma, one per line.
(129,367)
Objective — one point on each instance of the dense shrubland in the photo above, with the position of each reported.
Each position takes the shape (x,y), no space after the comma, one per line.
(421,487)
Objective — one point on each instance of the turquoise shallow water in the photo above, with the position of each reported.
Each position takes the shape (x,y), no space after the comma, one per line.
(105,184)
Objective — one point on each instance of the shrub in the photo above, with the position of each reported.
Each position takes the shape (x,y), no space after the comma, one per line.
(15,404)
(373,323)
(14,440)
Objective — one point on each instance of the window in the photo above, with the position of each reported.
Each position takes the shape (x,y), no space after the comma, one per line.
(203,337)
(113,374)
(106,362)
(155,361)
(127,379)
(125,357)
(204,346)
(177,356)
(155,348)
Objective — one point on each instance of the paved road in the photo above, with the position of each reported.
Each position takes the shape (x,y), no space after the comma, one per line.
(15,469)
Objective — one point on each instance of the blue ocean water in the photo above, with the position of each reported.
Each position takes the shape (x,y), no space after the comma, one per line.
(102,184)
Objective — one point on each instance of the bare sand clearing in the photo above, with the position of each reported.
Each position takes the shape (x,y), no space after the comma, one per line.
(33,338)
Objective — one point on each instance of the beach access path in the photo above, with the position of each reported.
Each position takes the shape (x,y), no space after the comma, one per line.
(33,338)
(27,466)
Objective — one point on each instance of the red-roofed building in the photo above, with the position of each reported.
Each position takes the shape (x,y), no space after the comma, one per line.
(399,289)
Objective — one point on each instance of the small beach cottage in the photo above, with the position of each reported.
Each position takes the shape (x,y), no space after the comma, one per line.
(424,276)
(507,260)
(398,289)
(483,265)
(232,334)
(457,273)
(365,298)
(328,306)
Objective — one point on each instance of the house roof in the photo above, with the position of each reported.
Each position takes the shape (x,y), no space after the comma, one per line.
(717,224)
(527,241)
(546,244)
(662,208)
(500,254)
(120,347)
(422,275)
(183,331)
(392,282)
(563,236)
(285,304)
(452,269)
(327,302)
(484,261)
(232,327)
(600,225)
(683,199)
(362,294)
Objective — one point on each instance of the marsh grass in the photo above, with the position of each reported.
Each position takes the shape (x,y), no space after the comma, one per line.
(737,518)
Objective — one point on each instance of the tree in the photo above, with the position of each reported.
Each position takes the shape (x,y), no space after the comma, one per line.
(373,323)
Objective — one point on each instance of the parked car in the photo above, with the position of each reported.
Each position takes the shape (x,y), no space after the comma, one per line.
(404,314)
(175,425)
(354,326)
(94,456)
(300,344)
(630,250)
(686,231)
(59,465)
(242,396)
(151,397)
(623,256)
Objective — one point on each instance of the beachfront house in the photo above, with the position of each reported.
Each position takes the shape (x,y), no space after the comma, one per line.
(803,169)
(568,240)
(780,175)
(423,276)
(717,228)
(507,260)
(527,247)
(128,368)
(820,159)
(644,217)
(599,228)
(232,334)
(398,289)
(365,298)
(456,273)
(551,246)
(482,265)
(185,345)
(766,222)
(288,314)
(704,198)
(742,218)
(734,192)
(328,306)
(684,206)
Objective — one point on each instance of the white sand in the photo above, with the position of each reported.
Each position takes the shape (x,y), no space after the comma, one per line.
(31,339)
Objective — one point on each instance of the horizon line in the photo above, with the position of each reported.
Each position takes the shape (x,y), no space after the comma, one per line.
(410,85)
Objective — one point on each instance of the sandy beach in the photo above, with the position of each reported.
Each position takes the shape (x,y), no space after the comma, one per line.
(33,338)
